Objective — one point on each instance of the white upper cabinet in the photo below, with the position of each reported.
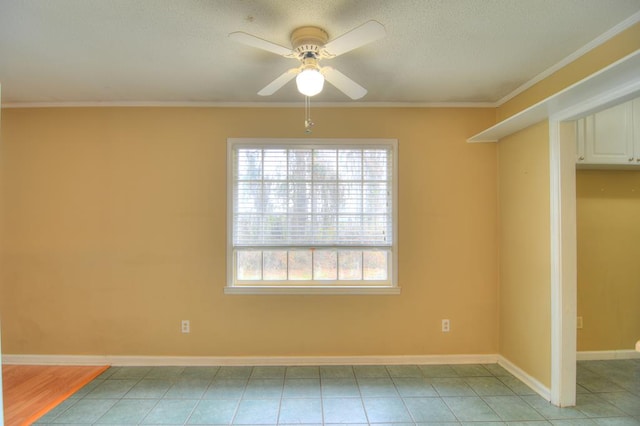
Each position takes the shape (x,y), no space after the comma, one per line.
(610,137)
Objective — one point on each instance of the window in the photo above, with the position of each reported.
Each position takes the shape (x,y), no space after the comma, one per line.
(312,215)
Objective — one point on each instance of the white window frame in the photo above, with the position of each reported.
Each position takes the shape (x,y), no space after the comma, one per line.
(312,287)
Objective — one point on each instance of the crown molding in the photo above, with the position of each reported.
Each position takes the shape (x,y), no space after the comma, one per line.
(615,83)
(602,38)
(174,104)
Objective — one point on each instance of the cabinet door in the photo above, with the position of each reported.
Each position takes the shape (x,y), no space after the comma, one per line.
(609,136)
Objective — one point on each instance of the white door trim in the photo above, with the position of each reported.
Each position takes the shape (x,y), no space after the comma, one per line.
(1,402)
(562,149)
(563,263)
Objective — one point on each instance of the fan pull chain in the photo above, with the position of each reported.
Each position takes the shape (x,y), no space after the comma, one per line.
(308,124)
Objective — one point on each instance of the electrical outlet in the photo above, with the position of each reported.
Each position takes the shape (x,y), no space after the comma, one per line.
(186,326)
(579,322)
(446,326)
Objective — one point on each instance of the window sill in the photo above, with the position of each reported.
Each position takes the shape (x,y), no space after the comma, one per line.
(354,290)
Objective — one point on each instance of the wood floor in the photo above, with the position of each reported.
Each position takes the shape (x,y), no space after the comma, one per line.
(30,391)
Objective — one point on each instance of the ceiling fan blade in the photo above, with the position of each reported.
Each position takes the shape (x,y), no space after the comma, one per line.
(276,84)
(253,41)
(344,83)
(357,37)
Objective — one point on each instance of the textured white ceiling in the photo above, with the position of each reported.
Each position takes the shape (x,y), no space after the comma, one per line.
(68,51)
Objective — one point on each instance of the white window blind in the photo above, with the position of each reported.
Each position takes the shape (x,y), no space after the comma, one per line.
(311,213)
(312,196)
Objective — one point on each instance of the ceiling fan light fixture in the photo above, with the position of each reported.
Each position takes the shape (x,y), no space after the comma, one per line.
(310,81)
(309,45)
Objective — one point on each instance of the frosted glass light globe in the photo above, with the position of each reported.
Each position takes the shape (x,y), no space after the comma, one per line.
(310,82)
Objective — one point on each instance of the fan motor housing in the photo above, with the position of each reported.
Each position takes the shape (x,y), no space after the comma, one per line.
(307,40)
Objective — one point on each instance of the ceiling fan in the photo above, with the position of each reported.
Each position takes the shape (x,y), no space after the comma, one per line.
(309,45)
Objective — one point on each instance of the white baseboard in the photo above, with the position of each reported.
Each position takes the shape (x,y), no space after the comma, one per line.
(123,360)
(528,380)
(120,360)
(607,355)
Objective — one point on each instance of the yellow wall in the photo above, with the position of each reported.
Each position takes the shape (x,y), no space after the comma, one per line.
(525,297)
(607,53)
(524,303)
(608,219)
(115,231)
